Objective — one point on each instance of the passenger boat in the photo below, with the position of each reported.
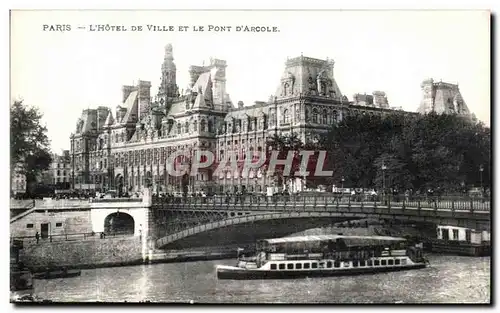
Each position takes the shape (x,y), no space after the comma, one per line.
(57,274)
(325,255)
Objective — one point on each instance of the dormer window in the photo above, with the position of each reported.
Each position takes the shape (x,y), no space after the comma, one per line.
(203,125)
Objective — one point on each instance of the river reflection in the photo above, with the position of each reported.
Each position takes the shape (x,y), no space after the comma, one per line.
(450,279)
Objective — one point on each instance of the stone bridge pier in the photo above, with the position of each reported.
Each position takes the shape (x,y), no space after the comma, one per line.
(125,217)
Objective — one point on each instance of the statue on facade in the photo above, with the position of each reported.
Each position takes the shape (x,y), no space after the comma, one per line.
(322,81)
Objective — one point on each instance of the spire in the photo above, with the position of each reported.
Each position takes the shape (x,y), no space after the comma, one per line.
(168,87)
(169,55)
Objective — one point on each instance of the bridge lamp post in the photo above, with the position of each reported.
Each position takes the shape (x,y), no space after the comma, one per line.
(342,182)
(481,169)
(383,179)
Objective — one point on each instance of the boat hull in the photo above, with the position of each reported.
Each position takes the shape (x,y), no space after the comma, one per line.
(235,273)
(54,275)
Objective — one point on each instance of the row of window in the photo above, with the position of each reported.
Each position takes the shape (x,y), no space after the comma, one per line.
(33,225)
(221,143)
(61,165)
(203,126)
(337,264)
(63,180)
(445,234)
(241,154)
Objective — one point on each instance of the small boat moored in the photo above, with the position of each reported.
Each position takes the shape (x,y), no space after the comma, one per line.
(325,255)
(64,273)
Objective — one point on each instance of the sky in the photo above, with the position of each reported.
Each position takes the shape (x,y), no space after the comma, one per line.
(65,72)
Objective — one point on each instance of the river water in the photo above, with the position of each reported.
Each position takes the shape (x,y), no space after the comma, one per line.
(450,279)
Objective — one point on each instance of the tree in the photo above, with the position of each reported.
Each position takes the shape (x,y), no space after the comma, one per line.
(30,152)
(442,151)
(284,144)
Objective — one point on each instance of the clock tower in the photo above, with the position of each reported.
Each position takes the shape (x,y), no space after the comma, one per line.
(168,89)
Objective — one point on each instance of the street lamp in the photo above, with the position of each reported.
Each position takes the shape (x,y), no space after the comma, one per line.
(342,182)
(481,169)
(383,178)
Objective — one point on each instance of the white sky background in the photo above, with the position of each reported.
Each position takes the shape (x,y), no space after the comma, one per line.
(392,51)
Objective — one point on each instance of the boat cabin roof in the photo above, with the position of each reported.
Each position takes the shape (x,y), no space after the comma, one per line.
(330,237)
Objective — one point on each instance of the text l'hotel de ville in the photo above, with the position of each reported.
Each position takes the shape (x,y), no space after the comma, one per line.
(160,28)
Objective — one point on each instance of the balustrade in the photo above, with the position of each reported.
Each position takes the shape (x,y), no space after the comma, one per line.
(326,202)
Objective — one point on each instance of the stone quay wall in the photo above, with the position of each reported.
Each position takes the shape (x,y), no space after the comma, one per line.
(83,254)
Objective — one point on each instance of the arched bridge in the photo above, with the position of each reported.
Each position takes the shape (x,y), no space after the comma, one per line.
(199,215)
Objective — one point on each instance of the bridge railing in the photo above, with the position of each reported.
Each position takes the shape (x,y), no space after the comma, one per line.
(115,200)
(62,203)
(243,201)
(69,237)
(22,203)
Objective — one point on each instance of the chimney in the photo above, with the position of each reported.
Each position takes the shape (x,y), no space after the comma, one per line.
(126,90)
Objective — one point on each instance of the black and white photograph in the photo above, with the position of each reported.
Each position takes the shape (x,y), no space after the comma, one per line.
(250,156)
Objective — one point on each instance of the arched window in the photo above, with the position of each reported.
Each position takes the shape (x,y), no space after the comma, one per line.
(122,137)
(195,126)
(335,116)
(325,117)
(286,116)
(315,116)
(186,127)
(179,129)
(116,138)
(203,125)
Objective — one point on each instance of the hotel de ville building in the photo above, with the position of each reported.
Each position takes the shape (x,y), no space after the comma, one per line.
(126,148)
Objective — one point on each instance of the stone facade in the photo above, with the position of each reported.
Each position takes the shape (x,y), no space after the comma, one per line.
(59,171)
(127,149)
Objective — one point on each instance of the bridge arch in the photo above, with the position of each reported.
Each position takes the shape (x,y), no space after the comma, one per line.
(101,216)
(260,216)
(119,223)
(248,219)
